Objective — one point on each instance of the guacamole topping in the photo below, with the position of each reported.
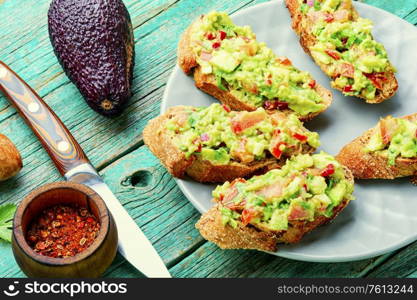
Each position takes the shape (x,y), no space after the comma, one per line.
(220,135)
(355,61)
(394,137)
(307,186)
(250,70)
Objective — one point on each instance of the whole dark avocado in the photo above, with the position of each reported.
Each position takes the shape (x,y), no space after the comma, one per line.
(94,43)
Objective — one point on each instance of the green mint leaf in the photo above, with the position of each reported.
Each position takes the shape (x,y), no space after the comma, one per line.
(6,221)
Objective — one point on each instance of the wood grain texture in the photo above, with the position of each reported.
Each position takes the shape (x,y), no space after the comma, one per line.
(115,146)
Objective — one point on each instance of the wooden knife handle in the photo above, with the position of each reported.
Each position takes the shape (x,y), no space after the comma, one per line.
(61,146)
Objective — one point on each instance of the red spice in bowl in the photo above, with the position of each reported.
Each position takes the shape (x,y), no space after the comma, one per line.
(63,231)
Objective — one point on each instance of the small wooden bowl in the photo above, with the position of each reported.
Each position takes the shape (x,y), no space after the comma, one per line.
(90,263)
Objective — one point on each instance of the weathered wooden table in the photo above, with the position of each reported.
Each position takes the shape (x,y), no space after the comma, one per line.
(116,148)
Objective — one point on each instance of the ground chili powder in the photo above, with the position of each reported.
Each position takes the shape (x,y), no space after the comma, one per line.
(63,231)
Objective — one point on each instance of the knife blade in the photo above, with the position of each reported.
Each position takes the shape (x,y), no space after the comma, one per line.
(128,230)
(73,164)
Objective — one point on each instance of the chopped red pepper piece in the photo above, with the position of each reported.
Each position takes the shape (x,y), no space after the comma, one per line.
(277,132)
(284,61)
(329,170)
(277,152)
(211,36)
(312,83)
(333,54)
(347,89)
(226,108)
(300,137)
(216,45)
(223,35)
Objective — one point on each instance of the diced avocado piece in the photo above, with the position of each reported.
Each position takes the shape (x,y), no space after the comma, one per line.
(216,157)
(317,185)
(375,142)
(228,217)
(224,61)
(337,193)
(279,220)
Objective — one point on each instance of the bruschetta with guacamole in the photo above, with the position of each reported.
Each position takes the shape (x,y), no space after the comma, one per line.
(230,64)
(341,43)
(387,151)
(280,206)
(216,144)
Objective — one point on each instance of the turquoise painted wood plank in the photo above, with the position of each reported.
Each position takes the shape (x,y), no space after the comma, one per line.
(401,8)
(403,264)
(156,23)
(210,261)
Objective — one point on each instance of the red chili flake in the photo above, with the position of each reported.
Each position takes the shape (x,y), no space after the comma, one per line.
(62,231)
(216,45)
(223,35)
(333,54)
(312,83)
(277,132)
(329,170)
(348,89)
(305,186)
(300,137)
(344,40)
(226,108)
(210,36)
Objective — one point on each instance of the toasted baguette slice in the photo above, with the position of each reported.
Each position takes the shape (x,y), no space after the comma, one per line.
(374,165)
(385,82)
(161,143)
(249,237)
(188,62)
(253,236)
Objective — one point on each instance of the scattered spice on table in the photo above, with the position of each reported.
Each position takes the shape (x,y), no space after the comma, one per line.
(63,231)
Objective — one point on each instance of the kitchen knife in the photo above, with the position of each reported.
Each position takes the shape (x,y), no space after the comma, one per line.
(73,164)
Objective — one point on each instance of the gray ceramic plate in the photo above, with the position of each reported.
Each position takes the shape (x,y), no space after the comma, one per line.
(383,218)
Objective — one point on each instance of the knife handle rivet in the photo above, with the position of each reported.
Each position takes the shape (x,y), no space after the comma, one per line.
(63,146)
(33,107)
(3,72)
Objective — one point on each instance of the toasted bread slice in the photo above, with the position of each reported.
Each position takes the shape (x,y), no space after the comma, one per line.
(386,83)
(374,165)
(249,237)
(212,228)
(187,61)
(161,143)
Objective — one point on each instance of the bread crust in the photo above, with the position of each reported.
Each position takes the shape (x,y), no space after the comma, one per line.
(160,143)
(372,165)
(10,159)
(303,28)
(207,83)
(248,237)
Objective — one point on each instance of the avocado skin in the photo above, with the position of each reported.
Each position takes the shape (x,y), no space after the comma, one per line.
(94,43)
